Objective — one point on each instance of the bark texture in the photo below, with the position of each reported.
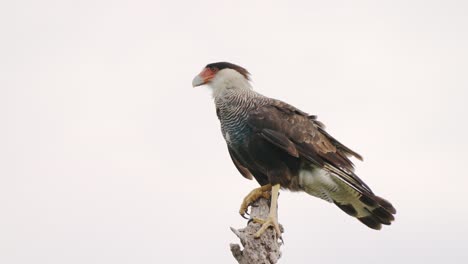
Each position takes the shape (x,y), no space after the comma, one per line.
(263,250)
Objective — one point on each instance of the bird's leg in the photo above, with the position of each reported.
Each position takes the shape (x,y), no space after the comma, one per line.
(262,191)
(272,219)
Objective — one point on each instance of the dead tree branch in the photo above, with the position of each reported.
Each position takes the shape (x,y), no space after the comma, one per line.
(263,250)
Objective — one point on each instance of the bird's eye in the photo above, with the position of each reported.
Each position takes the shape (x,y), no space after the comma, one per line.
(213,69)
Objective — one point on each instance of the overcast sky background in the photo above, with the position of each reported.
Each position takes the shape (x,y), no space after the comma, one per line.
(108,155)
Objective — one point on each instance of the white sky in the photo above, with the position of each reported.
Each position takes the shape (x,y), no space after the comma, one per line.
(107,155)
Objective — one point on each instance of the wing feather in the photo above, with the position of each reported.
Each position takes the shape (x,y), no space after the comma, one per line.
(302,135)
(281,141)
(242,169)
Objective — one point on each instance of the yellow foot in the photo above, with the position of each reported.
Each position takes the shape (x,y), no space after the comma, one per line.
(270,221)
(263,191)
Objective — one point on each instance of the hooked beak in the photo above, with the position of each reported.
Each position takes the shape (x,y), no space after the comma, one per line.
(197,81)
(203,78)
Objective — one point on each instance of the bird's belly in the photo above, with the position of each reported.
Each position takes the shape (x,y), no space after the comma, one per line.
(318,182)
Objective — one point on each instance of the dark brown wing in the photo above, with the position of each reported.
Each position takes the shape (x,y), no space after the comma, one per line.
(243,170)
(300,134)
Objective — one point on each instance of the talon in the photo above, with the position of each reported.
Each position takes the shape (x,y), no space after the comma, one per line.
(243,216)
(270,221)
(261,191)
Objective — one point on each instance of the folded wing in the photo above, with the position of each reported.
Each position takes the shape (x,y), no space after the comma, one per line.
(301,135)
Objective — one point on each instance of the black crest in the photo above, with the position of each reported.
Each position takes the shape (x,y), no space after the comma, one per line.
(228,65)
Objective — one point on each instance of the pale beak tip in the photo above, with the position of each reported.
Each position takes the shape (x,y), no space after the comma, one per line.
(197,81)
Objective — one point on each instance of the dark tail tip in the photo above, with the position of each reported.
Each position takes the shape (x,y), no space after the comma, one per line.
(371,222)
(385,204)
(347,208)
(383,215)
(372,201)
(379,211)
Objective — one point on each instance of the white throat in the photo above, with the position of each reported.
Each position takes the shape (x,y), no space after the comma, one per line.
(228,79)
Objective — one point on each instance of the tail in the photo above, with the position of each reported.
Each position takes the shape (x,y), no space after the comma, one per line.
(371,210)
(361,203)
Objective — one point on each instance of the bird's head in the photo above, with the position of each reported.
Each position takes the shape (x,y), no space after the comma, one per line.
(222,75)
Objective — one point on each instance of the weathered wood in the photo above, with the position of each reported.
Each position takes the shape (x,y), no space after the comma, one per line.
(263,250)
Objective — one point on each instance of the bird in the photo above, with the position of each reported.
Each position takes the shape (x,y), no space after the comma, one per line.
(282,147)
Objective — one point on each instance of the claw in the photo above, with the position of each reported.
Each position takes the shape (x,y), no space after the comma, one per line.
(270,221)
(262,191)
